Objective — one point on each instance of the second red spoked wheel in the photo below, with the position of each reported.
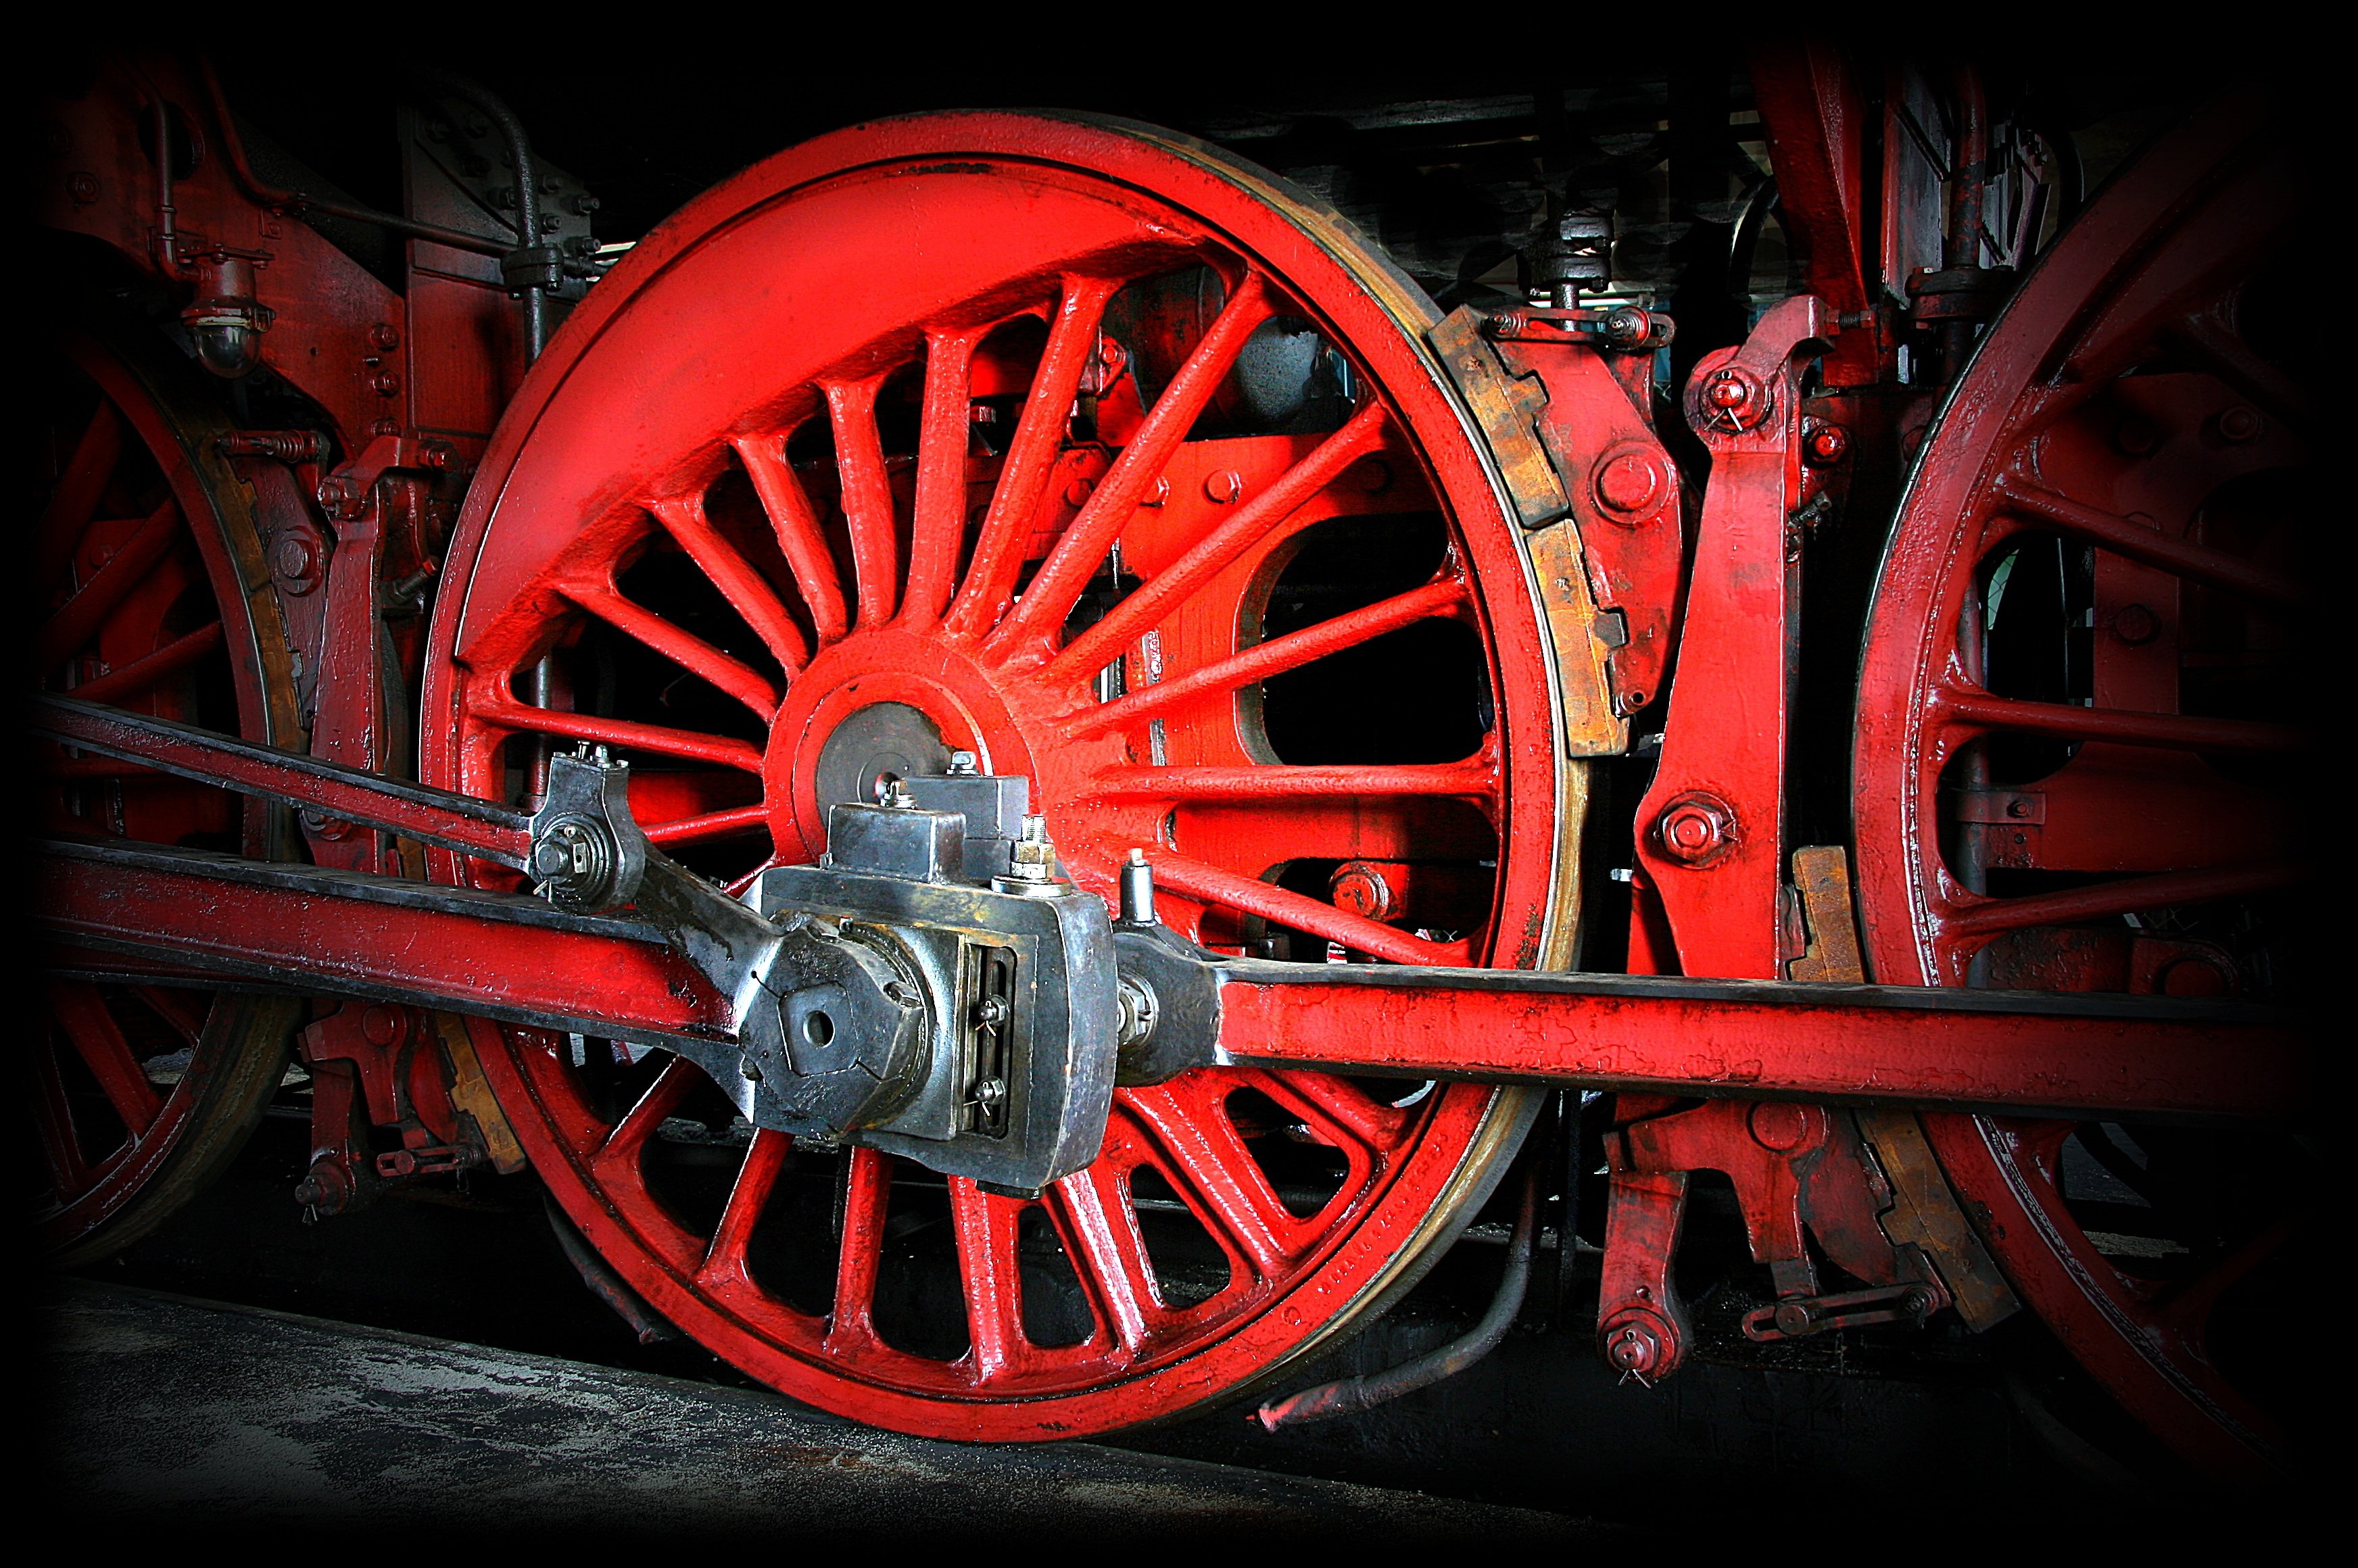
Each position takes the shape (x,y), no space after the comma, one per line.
(1077,447)
(155,597)
(2082,743)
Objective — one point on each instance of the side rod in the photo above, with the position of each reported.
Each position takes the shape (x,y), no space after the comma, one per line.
(1918,1046)
(186,912)
(191,916)
(432,816)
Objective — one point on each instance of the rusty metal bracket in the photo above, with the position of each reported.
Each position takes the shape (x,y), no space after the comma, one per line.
(1506,406)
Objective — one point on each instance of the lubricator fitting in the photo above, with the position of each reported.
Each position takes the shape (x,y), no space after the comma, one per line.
(1137,890)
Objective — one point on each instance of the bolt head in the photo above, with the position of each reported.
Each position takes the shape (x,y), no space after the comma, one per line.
(2240,424)
(1360,889)
(1629,482)
(1780,1125)
(1735,399)
(1696,829)
(1632,1347)
(1827,444)
(1223,486)
(2135,624)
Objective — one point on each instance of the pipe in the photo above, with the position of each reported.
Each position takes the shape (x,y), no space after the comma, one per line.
(301,202)
(603,1283)
(168,239)
(527,195)
(1351,1395)
(1967,171)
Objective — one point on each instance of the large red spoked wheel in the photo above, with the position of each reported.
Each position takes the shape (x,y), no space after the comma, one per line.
(2075,762)
(143,557)
(1076,447)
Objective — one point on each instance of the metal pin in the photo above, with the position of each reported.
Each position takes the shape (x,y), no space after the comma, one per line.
(1137,890)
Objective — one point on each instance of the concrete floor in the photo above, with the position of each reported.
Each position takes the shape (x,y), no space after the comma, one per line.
(189,1417)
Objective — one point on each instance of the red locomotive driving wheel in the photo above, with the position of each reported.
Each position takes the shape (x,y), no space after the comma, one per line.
(1080,449)
(2077,731)
(155,597)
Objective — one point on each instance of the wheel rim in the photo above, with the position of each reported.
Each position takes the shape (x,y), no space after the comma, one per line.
(2097,815)
(778,397)
(143,555)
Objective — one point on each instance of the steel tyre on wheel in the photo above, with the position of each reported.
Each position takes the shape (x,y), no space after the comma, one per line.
(1076,447)
(154,597)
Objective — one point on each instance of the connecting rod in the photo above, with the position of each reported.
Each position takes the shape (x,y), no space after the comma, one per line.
(683,969)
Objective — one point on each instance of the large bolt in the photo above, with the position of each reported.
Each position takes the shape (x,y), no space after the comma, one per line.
(295,561)
(1632,1348)
(1628,483)
(2135,624)
(1696,829)
(1826,445)
(1360,889)
(2239,423)
(1734,398)
(1780,1125)
(1223,486)
(1031,864)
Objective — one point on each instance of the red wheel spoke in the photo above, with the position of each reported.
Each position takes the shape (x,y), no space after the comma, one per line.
(800,538)
(1031,456)
(686,649)
(937,524)
(1445,597)
(991,1275)
(1250,896)
(2109,531)
(1345,1106)
(1151,603)
(1111,506)
(628,1140)
(2232,360)
(1962,707)
(868,1190)
(1100,1235)
(2186,1309)
(2129,896)
(1232,1198)
(714,749)
(747,592)
(75,500)
(712,824)
(77,621)
(1475,780)
(867,497)
(140,675)
(60,1149)
(97,1039)
(724,1260)
(175,1009)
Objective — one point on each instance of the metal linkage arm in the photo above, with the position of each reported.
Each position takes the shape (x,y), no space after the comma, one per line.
(169,913)
(1907,1044)
(431,815)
